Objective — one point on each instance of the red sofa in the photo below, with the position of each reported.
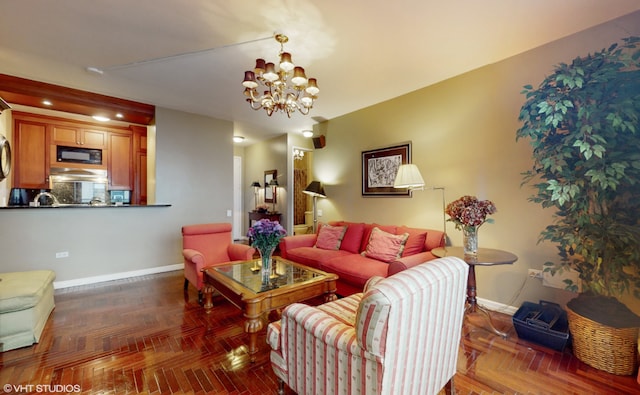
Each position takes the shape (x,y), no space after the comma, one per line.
(348,261)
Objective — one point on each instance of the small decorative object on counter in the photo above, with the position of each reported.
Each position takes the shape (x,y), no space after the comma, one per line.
(468,213)
(265,235)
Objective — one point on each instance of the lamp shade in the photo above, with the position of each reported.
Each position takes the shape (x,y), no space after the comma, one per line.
(315,189)
(408,176)
(273,183)
(256,184)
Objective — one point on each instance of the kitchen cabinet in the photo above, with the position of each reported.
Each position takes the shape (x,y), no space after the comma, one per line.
(31,152)
(79,137)
(120,163)
(36,137)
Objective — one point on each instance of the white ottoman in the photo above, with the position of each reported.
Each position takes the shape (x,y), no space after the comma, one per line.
(26,300)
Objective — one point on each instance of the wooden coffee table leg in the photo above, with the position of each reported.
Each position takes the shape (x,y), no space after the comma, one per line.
(252,326)
(207,290)
(330,297)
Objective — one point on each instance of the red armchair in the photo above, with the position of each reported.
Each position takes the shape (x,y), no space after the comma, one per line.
(206,245)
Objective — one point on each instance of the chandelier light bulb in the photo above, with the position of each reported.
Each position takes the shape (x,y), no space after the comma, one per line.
(249,80)
(299,78)
(270,72)
(312,87)
(306,101)
(285,62)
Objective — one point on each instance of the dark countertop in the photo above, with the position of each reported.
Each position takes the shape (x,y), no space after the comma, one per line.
(82,206)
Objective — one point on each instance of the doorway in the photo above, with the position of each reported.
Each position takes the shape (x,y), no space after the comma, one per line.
(302,176)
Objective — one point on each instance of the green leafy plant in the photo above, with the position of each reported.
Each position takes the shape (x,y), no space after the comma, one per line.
(582,122)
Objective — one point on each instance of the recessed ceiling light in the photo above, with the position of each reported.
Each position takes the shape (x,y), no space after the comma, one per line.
(47,102)
(238,139)
(101,118)
(307,133)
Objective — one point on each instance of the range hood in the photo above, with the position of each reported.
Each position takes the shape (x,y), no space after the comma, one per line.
(69,174)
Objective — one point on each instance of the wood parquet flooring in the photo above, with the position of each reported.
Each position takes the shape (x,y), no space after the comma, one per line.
(140,336)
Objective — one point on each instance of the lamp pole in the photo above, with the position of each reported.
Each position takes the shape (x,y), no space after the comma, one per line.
(444,218)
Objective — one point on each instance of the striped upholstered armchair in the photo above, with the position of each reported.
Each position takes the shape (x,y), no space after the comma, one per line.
(401,336)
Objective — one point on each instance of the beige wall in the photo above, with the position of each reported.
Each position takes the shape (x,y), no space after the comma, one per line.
(463,136)
(267,155)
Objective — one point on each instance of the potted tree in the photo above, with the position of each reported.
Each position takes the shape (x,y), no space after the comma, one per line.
(583,123)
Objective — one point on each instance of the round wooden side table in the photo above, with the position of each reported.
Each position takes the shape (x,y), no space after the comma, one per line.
(485,257)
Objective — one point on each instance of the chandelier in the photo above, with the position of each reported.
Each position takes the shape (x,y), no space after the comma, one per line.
(281,93)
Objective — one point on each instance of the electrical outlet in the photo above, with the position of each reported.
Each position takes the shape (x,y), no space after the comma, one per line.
(63,254)
(534,273)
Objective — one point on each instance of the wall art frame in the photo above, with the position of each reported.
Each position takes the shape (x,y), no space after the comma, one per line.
(379,168)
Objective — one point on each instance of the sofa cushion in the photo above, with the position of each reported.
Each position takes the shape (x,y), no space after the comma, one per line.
(314,257)
(355,269)
(330,237)
(416,242)
(352,237)
(385,246)
(23,290)
(368,228)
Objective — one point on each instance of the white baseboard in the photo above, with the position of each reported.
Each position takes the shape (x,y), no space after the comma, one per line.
(495,306)
(116,276)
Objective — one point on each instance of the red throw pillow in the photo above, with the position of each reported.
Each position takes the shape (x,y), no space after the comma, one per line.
(385,247)
(416,242)
(368,228)
(352,237)
(330,237)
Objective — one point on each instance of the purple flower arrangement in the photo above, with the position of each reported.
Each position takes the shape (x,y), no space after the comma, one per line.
(266,234)
(468,211)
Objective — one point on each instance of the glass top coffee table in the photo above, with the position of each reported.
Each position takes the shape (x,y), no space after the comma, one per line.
(241,284)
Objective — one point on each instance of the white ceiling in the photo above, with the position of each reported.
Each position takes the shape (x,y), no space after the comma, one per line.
(361,52)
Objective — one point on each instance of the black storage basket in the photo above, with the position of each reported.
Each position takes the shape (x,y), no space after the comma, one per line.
(543,323)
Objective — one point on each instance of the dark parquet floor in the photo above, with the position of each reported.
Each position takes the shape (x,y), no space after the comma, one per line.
(140,336)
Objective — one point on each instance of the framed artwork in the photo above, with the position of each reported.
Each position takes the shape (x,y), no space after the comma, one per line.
(379,168)
(269,196)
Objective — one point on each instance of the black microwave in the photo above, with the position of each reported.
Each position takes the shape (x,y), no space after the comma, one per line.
(89,156)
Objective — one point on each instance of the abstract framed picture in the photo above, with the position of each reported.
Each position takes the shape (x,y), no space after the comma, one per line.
(379,168)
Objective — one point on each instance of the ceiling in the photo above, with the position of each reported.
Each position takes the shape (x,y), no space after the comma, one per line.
(361,52)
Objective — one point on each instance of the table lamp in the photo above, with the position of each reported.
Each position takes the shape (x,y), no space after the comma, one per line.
(256,188)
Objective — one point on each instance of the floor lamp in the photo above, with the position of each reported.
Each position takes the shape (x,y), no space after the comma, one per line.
(316,190)
(409,176)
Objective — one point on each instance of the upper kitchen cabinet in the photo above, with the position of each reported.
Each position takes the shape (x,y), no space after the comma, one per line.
(31,147)
(79,137)
(44,142)
(120,163)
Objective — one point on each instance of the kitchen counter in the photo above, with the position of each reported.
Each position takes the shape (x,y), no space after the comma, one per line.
(82,206)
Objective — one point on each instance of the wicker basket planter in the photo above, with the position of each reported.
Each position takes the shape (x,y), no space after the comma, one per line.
(614,350)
